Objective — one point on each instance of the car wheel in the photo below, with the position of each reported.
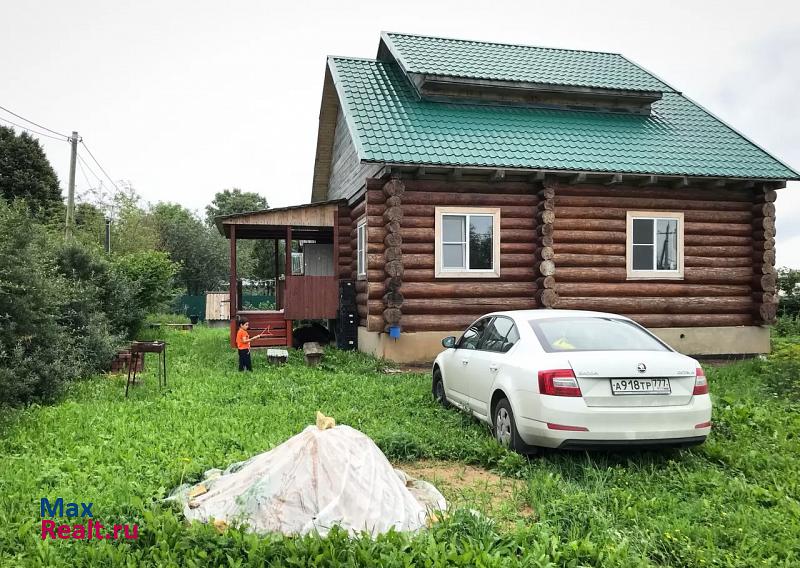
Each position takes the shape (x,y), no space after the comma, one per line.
(438,389)
(505,429)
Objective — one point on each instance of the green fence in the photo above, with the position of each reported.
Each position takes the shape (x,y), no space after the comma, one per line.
(196,305)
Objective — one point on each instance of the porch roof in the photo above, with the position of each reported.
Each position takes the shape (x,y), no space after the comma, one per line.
(311,221)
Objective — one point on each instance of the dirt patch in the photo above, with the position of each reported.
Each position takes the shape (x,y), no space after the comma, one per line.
(474,487)
(422,368)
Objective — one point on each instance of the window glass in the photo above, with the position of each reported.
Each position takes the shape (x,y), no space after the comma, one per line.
(500,335)
(643,231)
(480,242)
(466,241)
(453,228)
(473,335)
(593,334)
(513,335)
(654,244)
(453,256)
(667,244)
(643,257)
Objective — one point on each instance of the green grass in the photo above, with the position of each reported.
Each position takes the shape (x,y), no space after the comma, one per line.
(731,502)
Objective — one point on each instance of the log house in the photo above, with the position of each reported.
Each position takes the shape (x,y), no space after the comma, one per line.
(471,177)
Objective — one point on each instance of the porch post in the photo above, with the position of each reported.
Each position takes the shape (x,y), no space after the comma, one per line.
(336,243)
(277,273)
(288,276)
(232,291)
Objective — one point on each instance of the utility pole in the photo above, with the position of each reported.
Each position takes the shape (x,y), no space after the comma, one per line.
(71,191)
(108,235)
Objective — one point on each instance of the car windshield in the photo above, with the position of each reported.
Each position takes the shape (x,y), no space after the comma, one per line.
(593,334)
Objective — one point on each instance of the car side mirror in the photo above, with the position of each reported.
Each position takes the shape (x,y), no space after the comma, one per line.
(449,342)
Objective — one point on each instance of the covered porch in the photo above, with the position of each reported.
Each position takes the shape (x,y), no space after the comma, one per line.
(306,289)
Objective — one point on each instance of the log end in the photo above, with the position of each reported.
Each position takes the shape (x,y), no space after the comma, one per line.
(547,268)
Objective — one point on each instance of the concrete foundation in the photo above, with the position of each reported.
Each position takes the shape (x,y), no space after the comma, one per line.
(745,340)
(422,347)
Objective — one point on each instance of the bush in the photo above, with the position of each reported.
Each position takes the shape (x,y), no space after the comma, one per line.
(37,352)
(153,274)
(787,325)
(90,309)
(789,292)
(65,308)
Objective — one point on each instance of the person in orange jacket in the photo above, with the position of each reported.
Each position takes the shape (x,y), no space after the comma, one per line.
(243,340)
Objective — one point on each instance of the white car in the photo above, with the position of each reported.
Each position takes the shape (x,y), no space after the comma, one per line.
(573,379)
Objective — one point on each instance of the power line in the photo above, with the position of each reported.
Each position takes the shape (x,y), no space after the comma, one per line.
(64,138)
(32,131)
(82,161)
(99,166)
(34,123)
(83,171)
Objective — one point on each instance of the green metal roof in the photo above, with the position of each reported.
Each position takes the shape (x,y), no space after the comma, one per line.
(390,123)
(504,62)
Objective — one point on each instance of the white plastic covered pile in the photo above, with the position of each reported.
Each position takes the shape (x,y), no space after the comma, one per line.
(313,481)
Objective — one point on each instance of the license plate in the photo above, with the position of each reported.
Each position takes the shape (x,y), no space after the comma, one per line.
(640,386)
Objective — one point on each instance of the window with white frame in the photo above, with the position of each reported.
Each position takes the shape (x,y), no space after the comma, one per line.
(654,245)
(467,242)
(361,248)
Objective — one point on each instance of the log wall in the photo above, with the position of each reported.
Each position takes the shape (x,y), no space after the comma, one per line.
(562,246)
(349,217)
(728,268)
(408,290)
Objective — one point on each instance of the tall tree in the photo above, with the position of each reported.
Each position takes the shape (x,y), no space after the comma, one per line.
(25,173)
(134,228)
(255,258)
(234,200)
(198,248)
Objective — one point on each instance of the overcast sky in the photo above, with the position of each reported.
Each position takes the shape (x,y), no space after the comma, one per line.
(184,98)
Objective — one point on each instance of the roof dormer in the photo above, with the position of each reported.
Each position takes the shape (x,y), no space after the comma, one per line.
(450,70)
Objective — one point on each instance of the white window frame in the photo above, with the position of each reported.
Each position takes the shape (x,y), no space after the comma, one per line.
(440,271)
(361,249)
(653,274)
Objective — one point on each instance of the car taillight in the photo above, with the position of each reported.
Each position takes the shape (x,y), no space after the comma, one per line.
(700,382)
(559,382)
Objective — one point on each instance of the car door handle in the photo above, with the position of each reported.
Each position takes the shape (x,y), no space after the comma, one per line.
(493,368)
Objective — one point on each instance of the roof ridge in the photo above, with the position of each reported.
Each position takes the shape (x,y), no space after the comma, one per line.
(653,75)
(502,43)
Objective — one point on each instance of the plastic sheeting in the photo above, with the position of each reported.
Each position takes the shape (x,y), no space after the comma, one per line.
(311,482)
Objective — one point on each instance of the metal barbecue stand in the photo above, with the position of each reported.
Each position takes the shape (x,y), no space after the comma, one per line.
(138,349)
